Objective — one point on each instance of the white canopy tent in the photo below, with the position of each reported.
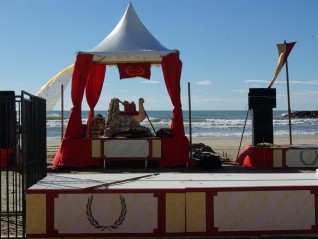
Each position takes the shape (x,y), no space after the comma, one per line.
(133,49)
(130,41)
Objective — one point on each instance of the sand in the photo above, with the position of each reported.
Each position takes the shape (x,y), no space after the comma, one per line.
(229,147)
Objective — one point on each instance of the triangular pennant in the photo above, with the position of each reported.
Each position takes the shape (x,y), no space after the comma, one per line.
(283,53)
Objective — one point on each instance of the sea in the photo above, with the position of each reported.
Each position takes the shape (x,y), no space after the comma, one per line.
(203,124)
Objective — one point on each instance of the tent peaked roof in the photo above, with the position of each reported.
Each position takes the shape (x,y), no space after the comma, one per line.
(130,41)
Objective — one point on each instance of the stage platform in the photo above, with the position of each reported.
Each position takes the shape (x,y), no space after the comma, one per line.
(279,156)
(173,204)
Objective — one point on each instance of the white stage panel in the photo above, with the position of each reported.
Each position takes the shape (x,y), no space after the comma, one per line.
(126,148)
(264,210)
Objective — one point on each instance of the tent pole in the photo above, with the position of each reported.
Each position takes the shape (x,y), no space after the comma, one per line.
(150,122)
(62,111)
(190,122)
(288,100)
(289,110)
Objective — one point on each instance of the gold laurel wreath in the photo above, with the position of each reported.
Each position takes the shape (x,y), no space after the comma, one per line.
(134,70)
(95,223)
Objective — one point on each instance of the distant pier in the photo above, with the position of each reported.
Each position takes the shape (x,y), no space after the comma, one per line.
(303,114)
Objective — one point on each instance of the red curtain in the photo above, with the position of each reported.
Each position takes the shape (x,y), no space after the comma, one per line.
(176,149)
(94,87)
(258,158)
(74,126)
(79,78)
(171,68)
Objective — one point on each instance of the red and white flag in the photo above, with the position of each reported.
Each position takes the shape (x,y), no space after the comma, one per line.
(283,53)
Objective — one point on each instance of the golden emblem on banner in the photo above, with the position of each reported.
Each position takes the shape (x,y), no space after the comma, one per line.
(134,70)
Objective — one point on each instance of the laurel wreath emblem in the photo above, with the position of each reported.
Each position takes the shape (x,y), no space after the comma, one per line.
(308,164)
(134,70)
(96,224)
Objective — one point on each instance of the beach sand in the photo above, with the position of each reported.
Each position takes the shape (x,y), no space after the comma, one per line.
(227,148)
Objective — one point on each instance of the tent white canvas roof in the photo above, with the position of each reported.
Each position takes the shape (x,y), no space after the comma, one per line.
(130,41)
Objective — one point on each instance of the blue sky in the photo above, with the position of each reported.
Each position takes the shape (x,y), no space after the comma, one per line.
(227,47)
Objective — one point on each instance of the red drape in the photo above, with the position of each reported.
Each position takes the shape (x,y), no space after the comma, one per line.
(79,78)
(176,149)
(74,126)
(76,152)
(171,68)
(94,87)
(256,157)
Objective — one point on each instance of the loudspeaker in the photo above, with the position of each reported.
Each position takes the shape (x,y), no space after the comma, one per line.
(261,98)
(262,101)
(7,119)
(262,131)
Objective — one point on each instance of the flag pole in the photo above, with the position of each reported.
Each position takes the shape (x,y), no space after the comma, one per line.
(190,116)
(62,111)
(288,100)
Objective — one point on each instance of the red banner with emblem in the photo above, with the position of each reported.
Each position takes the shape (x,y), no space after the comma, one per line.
(130,70)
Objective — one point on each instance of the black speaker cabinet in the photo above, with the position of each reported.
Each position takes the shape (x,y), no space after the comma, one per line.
(7,119)
(262,101)
(262,130)
(262,98)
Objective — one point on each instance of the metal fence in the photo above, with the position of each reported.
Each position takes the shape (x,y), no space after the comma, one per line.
(23,156)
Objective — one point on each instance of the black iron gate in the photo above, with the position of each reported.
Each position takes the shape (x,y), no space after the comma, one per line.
(23,156)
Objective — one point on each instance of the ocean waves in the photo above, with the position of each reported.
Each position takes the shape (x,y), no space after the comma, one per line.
(207,124)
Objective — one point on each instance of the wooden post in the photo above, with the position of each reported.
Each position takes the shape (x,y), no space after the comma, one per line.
(190,122)
(62,111)
(288,100)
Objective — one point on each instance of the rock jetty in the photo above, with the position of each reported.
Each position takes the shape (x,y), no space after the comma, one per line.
(303,114)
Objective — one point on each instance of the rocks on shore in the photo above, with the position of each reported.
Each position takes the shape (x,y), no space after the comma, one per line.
(303,114)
